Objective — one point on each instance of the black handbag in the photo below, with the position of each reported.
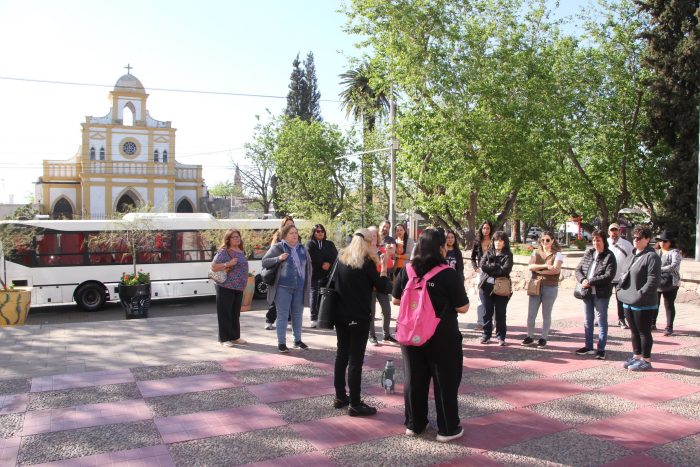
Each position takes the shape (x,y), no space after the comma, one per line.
(666,281)
(580,292)
(268,275)
(328,301)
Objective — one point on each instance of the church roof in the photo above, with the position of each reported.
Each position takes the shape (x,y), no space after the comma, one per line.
(129,83)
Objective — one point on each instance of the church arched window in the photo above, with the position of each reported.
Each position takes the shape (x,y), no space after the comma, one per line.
(128,114)
(165,155)
(92,153)
(156,156)
(102,153)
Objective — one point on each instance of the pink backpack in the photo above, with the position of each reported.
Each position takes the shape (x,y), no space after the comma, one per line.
(417,322)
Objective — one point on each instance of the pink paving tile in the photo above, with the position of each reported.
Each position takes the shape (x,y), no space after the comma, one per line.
(651,390)
(391,399)
(675,363)
(80,380)
(387,350)
(183,384)
(292,389)
(153,456)
(252,362)
(45,421)
(506,428)
(476,460)
(13,403)
(472,362)
(643,429)
(9,448)
(316,459)
(217,423)
(332,432)
(559,364)
(637,460)
(535,391)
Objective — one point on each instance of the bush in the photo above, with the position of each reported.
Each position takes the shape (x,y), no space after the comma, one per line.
(580,244)
(522,249)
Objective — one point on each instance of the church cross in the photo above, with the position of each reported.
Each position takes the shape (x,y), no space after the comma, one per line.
(128,69)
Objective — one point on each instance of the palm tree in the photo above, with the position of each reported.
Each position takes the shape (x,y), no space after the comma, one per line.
(366,104)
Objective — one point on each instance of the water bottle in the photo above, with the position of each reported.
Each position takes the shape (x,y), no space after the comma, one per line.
(388,377)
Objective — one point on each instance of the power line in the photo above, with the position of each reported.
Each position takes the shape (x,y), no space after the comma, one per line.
(190,91)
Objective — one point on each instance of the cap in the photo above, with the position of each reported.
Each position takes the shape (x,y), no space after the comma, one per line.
(614,226)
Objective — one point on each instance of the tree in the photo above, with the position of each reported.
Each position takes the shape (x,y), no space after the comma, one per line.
(297,91)
(257,178)
(303,98)
(225,189)
(673,56)
(312,97)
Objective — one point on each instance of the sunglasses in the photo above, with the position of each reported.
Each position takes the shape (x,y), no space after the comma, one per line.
(613,230)
(664,241)
(638,239)
(320,231)
(546,240)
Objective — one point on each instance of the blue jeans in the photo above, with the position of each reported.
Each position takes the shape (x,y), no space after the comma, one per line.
(592,305)
(289,300)
(480,308)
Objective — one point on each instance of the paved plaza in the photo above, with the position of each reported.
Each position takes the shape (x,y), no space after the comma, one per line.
(162,391)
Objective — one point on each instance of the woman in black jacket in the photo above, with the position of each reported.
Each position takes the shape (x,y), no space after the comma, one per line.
(355,279)
(323,254)
(496,262)
(595,272)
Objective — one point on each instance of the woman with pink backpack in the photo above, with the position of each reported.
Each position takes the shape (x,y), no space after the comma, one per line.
(428,291)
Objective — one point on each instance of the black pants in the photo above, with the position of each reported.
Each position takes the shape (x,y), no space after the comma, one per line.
(315,286)
(494,305)
(620,307)
(352,341)
(640,328)
(228,313)
(271,315)
(440,359)
(670,306)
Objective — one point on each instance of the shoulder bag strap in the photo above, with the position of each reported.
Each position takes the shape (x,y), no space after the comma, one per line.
(331,277)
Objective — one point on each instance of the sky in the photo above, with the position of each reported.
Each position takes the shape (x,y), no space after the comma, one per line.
(231,46)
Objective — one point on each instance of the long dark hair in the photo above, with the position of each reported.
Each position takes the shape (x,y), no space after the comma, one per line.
(405,233)
(480,234)
(427,252)
(313,231)
(500,235)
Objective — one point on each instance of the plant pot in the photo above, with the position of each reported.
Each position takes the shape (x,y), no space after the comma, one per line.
(135,300)
(248,293)
(14,306)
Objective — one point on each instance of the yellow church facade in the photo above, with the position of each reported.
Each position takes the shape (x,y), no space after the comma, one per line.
(126,158)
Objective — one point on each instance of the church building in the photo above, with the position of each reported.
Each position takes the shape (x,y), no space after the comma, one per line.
(127,158)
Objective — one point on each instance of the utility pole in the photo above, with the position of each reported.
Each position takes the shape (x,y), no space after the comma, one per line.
(392,152)
(697,200)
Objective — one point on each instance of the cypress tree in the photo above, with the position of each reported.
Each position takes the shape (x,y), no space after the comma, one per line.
(312,97)
(297,91)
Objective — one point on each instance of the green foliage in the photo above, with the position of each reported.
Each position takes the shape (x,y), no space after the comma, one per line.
(303,98)
(26,211)
(14,239)
(257,178)
(137,278)
(226,189)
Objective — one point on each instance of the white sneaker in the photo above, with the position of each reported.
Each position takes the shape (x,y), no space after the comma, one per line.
(228,344)
(445,439)
(410,432)
(314,324)
(269,326)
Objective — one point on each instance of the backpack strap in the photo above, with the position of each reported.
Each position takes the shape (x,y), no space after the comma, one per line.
(433,272)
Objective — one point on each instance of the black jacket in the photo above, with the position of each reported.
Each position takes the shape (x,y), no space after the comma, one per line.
(321,251)
(604,272)
(640,279)
(355,288)
(477,254)
(497,265)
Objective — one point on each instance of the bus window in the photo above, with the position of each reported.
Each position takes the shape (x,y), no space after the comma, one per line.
(190,246)
(158,250)
(104,252)
(60,249)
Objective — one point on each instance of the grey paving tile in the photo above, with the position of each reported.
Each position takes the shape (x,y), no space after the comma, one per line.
(11,425)
(239,448)
(82,442)
(470,406)
(567,448)
(80,396)
(398,450)
(683,452)
(14,386)
(179,404)
(584,408)
(693,351)
(314,408)
(145,373)
(688,406)
(281,373)
(492,377)
(603,375)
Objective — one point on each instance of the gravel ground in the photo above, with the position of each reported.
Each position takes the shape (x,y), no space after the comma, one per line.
(604,375)
(373,378)
(59,445)
(319,355)
(146,373)
(515,352)
(240,448)
(580,450)
(179,404)
(91,395)
(14,386)
(687,376)
(584,408)
(11,425)
(684,452)
(313,408)
(398,450)
(686,351)
(470,406)
(688,406)
(492,377)
(281,373)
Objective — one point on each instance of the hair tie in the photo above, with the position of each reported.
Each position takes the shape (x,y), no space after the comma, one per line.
(359,235)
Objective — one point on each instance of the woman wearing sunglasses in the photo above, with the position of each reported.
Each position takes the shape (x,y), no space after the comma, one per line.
(670,279)
(545,265)
(323,254)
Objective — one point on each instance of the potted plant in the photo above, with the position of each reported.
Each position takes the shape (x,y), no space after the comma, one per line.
(14,301)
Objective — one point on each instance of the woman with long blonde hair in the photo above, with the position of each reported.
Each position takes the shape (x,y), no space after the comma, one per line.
(355,277)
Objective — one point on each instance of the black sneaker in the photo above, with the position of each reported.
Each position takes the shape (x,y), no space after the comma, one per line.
(340,402)
(283,348)
(585,351)
(527,341)
(390,338)
(300,345)
(600,355)
(542,343)
(653,327)
(485,340)
(373,341)
(361,409)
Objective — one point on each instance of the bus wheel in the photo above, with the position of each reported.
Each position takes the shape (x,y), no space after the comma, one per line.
(260,288)
(91,297)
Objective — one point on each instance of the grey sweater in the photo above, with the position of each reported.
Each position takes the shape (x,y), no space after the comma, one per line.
(640,279)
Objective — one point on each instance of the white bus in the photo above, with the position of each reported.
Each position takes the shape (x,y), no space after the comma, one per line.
(63,265)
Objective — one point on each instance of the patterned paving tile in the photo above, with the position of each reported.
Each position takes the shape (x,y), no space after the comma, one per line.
(9,448)
(559,364)
(688,406)
(650,390)
(684,451)
(333,432)
(153,456)
(45,421)
(48,447)
(239,448)
(491,377)
(583,408)
(252,362)
(642,429)
(315,458)
(14,386)
(184,384)
(581,450)
(280,373)
(146,373)
(474,460)
(81,380)
(13,403)
(289,390)
(637,460)
(217,423)
(603,375)
(535,391)
(83,396)
(203,401)
(11,425)
(314,408)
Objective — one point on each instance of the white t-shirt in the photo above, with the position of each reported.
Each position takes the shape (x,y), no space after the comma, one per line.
(622,249)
